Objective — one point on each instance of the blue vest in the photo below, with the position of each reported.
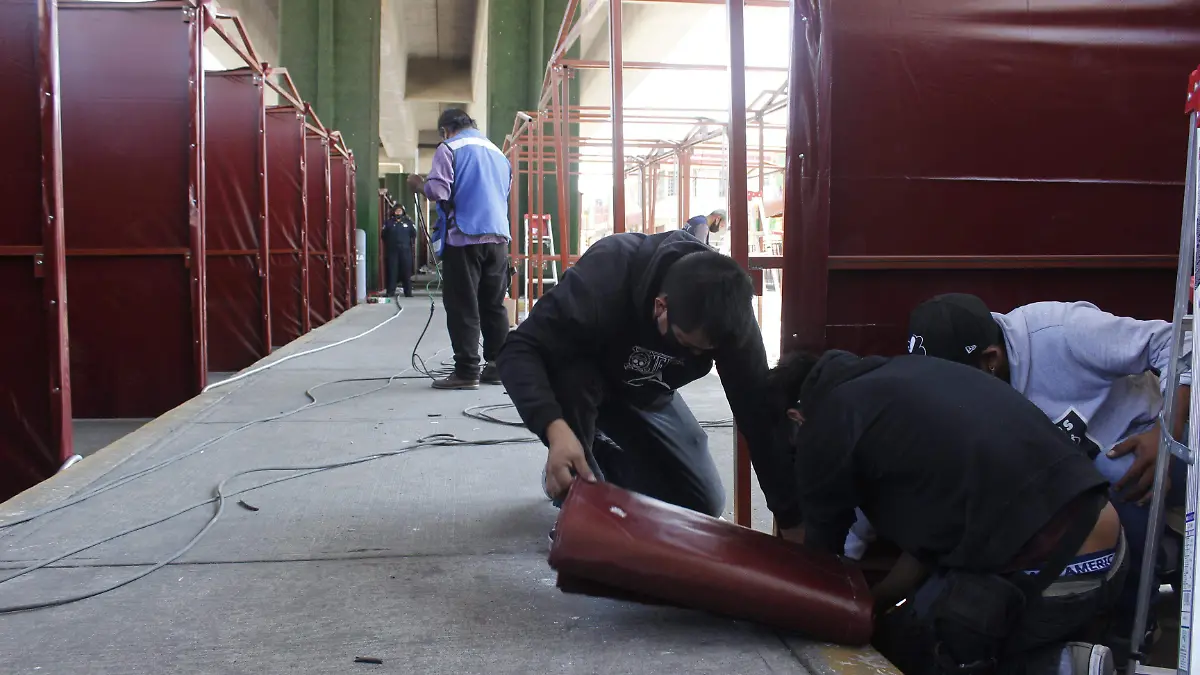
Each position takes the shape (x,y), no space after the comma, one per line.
(478,201)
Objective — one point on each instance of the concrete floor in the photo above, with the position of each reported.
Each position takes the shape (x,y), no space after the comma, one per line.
(432,561)
(94,435)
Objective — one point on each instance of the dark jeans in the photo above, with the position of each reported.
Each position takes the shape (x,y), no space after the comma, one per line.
(1135,521)
(658,450)
(1066,610)
(474,280)
(398,262)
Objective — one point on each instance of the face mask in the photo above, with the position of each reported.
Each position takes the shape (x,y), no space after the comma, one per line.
(669,339)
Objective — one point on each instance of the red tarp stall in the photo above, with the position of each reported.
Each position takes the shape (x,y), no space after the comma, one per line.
(339,227)
(236,238)
(1019,152)
(133,184)
(35,405)
(320,269)
(288,218)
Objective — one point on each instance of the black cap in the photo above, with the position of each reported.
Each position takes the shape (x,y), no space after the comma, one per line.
(955,326)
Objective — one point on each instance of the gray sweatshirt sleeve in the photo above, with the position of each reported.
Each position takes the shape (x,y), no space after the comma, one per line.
(1116,345)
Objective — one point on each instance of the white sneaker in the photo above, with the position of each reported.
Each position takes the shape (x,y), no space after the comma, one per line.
(1085,658)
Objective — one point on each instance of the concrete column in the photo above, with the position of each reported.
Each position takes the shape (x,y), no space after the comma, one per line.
(331,49)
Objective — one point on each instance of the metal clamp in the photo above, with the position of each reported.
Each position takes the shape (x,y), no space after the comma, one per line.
(1180,450)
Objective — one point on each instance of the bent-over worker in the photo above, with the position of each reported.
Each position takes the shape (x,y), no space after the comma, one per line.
(1087,371)
(594,371)
(1009,543)
(701,227)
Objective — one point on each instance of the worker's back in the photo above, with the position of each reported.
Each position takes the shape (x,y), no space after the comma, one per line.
(949,463)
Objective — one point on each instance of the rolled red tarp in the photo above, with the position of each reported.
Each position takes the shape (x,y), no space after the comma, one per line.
(610,542)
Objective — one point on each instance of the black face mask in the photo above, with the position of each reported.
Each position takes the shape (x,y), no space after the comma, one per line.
(669,340)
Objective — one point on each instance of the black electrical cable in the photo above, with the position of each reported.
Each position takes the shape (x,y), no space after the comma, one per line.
(418,364)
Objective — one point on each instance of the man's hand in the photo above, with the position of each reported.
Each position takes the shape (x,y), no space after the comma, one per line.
(416,182)
(1137,483)
(565,460)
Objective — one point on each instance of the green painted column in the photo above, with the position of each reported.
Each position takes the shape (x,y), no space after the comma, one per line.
(515,74)
(331,50)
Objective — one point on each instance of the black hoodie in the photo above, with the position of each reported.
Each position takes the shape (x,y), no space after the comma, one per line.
(951,464)
(602,310)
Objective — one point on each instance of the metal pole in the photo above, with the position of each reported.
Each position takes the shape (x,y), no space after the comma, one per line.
(680,183)
(561,166)
(529,222)
(565,244)
(514,197)
(644,191)
(685,170)
(618,114)
(1183,280)
(738,230)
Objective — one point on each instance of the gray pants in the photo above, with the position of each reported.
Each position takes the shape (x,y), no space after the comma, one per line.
(657,450)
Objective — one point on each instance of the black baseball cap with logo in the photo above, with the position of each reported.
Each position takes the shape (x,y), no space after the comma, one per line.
(955,326)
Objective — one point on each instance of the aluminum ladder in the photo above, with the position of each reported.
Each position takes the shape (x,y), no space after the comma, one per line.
(539,252)
(1187,301)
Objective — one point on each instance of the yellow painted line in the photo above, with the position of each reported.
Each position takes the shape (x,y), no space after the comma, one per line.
(822,658)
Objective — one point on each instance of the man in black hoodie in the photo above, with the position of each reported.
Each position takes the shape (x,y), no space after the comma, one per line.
(1009,542)
(594,368)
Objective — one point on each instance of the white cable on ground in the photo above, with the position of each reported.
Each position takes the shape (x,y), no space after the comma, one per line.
(253,371)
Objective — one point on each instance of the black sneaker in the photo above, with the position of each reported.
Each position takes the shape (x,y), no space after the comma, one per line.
(490,374)
(455,382)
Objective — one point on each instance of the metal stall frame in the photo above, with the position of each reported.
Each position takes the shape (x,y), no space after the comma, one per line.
(191,254)
(317,133)
(352,230)
(224,357)
(199,16)
(46,258)
(280,81)
(278,248)
(343,262)
(526,148)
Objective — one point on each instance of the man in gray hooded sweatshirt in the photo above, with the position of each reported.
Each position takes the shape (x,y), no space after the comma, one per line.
(1088,370)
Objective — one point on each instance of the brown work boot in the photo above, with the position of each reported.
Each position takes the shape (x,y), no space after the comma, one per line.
(456,382)
(490,374)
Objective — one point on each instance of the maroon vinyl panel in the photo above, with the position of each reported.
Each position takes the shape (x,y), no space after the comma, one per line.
(1020,151)
(288,218)
(35,406)
(339,227)
(614,543)
(320,268)
(133,186)
(239,328)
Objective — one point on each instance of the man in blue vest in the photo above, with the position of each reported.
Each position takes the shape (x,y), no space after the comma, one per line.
(470,181)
